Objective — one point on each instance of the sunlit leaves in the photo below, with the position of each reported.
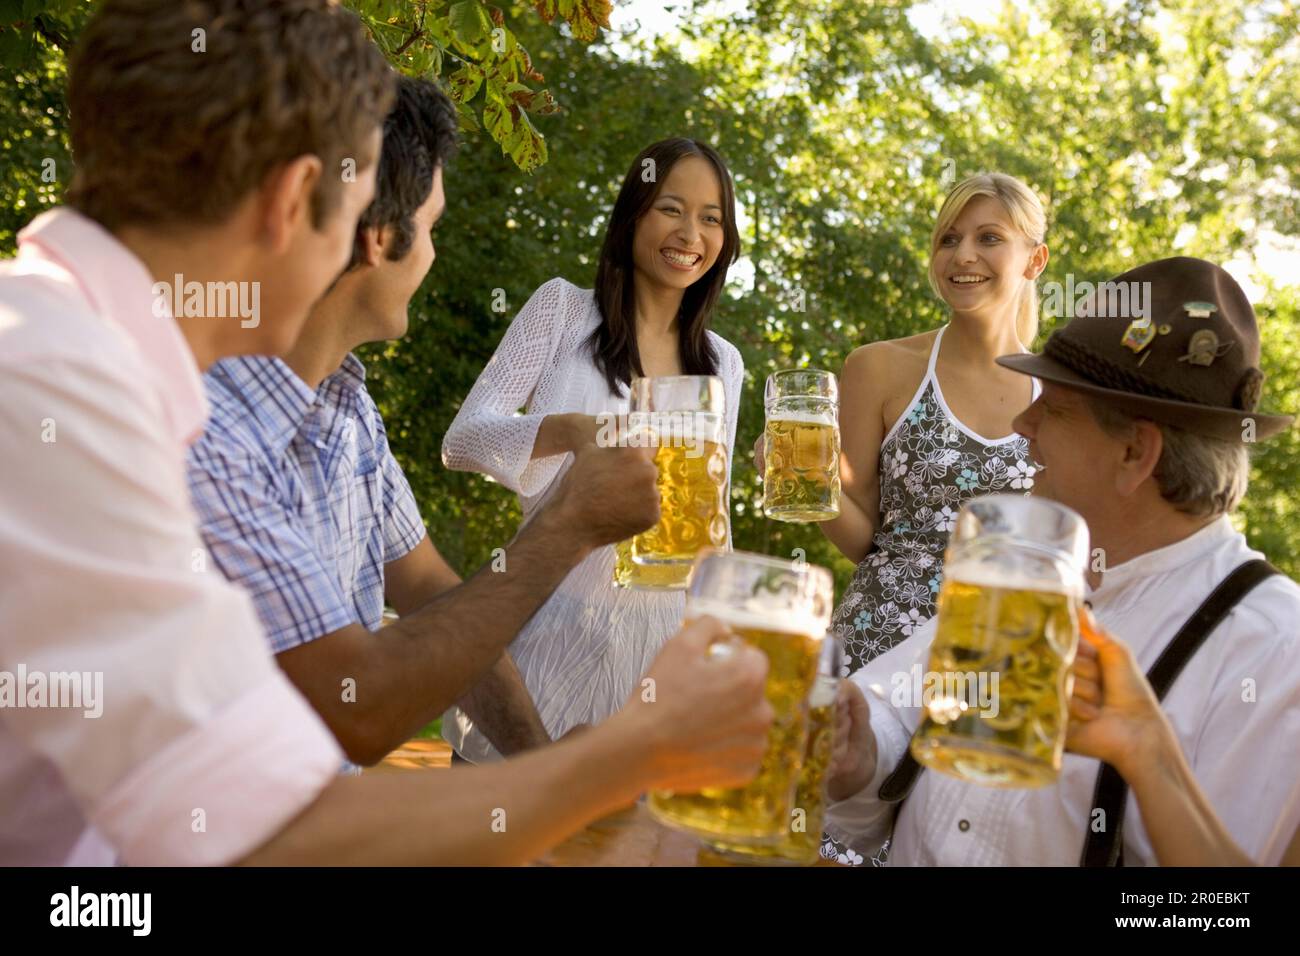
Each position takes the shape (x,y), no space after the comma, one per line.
(472,45)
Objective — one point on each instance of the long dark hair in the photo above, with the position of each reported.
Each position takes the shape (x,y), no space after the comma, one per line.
(613,344)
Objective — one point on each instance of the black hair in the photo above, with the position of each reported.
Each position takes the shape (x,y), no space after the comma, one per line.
(613,344)
(420,135)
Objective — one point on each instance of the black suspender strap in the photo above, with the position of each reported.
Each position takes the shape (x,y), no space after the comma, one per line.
(1106,848)
(900,783)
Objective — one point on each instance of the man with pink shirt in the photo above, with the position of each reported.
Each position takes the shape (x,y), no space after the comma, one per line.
(240,186)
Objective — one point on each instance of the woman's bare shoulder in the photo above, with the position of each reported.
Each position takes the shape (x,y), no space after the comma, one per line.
(892,359)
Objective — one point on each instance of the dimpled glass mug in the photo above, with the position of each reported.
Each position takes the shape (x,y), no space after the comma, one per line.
(800,845)
(782,608)
(684,418)
(998,688)
(801,446)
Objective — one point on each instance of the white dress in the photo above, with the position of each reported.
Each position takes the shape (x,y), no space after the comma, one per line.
(585,650)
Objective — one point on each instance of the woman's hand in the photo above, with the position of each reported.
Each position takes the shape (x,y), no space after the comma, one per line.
(1114,713)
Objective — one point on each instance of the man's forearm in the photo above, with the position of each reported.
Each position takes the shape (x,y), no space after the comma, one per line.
(501,814)
(502,708)
(421,665)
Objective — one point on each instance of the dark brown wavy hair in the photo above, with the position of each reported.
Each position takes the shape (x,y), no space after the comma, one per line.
(613,344)
(162,133)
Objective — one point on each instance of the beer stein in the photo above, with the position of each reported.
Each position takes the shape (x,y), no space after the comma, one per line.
(800,845)
(996,696)
(782,608)
(683,417)
(801,475)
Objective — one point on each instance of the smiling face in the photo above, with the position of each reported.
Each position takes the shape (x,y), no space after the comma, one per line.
(982,261)
(679,237)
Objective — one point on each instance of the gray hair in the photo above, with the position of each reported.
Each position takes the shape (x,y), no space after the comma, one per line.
(1198,475)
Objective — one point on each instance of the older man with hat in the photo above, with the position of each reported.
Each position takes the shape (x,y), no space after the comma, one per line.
(1142,427)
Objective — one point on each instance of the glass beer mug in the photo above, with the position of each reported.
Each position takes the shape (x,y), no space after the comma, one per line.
(801,475)
(998,687)
(683,416)
(782,608)
(800,844)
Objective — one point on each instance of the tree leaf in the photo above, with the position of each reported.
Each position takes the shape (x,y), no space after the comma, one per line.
(469,22)
(588,17)
(465,82)
(498,119)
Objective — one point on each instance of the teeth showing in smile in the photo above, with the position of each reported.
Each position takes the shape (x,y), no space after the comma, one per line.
(680,259)
(969,279)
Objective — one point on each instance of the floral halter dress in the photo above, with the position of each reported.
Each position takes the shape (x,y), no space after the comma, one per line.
(930,465)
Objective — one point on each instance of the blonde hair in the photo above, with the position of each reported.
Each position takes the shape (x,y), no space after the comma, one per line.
(1027,215)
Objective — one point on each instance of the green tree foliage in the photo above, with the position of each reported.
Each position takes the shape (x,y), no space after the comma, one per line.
(1150,128)
(473,46)
(34,39)
(844,127)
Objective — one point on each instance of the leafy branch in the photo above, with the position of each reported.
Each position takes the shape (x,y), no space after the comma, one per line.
(471,46)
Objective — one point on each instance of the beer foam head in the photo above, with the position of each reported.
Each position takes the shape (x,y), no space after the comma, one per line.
(785,622)
(826,417)
(679,428)
(983,575)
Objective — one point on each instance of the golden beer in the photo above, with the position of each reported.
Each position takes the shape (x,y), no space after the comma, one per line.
(647,577)
(693,510)
(801,842)
(682,418)
(762,810)
(998,714)
(801,478)
(801,474)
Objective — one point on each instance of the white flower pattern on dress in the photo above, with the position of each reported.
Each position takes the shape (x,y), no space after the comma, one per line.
(946,521)
(898,464)
(912,619)
(1022,475)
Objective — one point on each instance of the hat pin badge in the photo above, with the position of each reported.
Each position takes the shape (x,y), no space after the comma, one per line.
(1200,310)
(1139,334)
(1203,348)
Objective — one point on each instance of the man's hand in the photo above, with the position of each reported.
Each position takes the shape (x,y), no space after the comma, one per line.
(760,451)
(1114,714)
(702,712)
(853,755)
(572,431)
(608,495)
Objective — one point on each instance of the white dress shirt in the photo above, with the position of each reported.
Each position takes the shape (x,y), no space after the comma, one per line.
(203,749)
(1235,710)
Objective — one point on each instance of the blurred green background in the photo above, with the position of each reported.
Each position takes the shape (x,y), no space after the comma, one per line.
(1150,129)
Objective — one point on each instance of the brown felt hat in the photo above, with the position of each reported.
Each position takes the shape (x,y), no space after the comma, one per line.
(1174,341)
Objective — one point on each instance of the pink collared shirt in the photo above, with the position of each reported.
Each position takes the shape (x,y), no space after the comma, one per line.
(201,749)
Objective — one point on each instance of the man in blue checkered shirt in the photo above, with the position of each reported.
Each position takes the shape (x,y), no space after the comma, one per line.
(302,503)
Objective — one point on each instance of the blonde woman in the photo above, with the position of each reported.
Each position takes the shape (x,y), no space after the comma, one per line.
(926,420)
(569,357)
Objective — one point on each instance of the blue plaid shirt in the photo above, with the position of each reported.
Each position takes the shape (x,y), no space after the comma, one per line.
(299,498)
